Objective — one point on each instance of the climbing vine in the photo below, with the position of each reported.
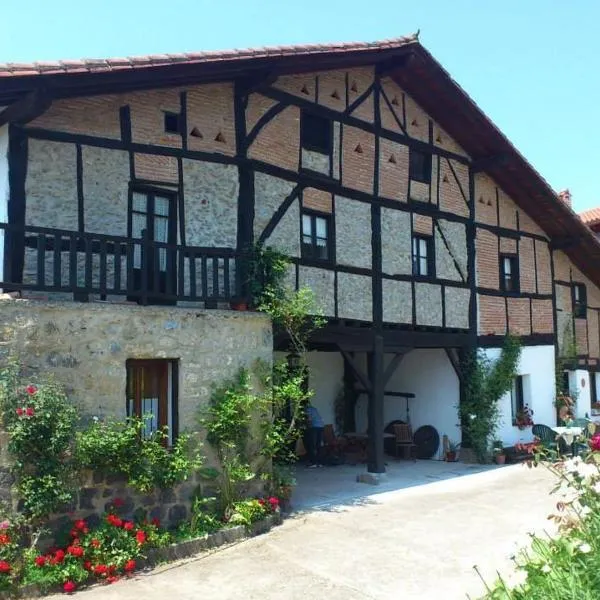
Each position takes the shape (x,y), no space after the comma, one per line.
(486,381)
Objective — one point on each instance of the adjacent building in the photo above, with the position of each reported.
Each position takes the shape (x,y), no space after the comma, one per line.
(130,187)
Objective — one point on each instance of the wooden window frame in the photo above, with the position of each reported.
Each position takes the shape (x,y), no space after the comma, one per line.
(416,256)
(312,254)
(513,276)
(517,398)
(579,300)
(419,166)
(327,127)
(168,401)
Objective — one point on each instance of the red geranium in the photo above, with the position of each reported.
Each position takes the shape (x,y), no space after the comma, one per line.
(118,502)
(31,389)
(112,579)
(29,411)
(40,561)
(80,524)
(274,502)
(4,567)
(87,565)
(20,411)
(595,442)
(76,551)
(155,522)
(4,539)
(100,569)
(69,587)
(114,520)
(140,536)
(129,566)
(59,556)
(128,525)
(95,543)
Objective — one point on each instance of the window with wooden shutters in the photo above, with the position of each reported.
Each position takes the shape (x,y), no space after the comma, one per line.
(151,394)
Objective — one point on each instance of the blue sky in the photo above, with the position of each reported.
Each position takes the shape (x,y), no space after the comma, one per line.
(531,65)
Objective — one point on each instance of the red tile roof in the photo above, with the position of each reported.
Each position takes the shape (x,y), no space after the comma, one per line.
(590,217)
(92,65)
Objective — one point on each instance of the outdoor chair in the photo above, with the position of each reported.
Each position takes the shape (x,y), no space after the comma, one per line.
(404,440)
(588,431)
(546,435)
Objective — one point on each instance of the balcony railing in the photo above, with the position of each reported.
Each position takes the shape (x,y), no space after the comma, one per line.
(148,272)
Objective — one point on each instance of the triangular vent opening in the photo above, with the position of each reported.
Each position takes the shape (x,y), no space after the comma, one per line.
(358,149)
(196,133)
(392,159)
(220,138)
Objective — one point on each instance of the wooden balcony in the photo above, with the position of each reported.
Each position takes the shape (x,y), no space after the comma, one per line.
(39,259)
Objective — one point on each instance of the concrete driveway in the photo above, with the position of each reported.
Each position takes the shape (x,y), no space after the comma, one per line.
(416,543)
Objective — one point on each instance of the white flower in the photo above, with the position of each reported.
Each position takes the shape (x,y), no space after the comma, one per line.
(95,419)
(546,569)
(572,464)
(472,417)
(587,471)
(585,510)
(585,548)
(596,487)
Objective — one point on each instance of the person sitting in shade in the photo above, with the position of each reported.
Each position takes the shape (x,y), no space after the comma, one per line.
(314,435)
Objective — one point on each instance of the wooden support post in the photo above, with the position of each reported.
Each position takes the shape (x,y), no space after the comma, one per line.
(375,459)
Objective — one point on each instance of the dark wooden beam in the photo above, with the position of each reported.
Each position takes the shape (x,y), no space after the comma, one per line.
(362,378)
(487,162)
(375,456)
(391,368)
(31,106)
(564,242)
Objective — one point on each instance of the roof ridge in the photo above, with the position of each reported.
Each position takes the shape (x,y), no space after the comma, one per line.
(16,69)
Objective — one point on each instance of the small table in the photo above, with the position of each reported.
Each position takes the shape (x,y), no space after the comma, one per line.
(569,435)
(362,439)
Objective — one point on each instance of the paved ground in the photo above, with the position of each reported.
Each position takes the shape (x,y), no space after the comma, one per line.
(416,544)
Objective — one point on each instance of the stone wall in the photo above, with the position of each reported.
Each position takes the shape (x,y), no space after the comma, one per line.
(86,346)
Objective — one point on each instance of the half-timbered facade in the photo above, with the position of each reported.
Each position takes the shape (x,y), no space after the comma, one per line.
(421,230)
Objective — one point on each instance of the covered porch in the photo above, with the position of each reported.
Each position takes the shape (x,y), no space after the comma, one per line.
(366,380)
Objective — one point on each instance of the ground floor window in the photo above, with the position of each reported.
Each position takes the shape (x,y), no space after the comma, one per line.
(517,398)
(152,394)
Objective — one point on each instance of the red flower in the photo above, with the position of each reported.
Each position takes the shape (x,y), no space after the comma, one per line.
(274,502)
(114,520)
(112,579)
(96,543)
(155,522)
(74,533)
(20,411)
(100,569)
(111,569)
(59,556)
(261,501)
(31,389)
(69,587)
(80,524)
(140,536)
(4,539)
(595,442)
(118,502)
(4,567)
(76,551)
(40,561)
(128,525)
(87,565)
(29,411)
(129,566)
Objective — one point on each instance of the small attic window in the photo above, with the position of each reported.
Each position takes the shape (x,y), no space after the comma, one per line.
(171,122)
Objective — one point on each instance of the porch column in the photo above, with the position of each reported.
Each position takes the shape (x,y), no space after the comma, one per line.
(375,459)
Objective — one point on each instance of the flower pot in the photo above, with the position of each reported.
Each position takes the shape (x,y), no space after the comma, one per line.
(451,456)
(500,459)
(239,306)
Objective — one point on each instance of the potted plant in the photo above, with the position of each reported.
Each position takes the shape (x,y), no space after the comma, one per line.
(565,407)
(451,453)
(524,417)
(284,482)
(498,451)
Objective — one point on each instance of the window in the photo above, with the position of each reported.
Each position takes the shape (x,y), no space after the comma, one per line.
(509,273)
(315,236)
(419,166)
(579,301)
(422,256)
(316,133)
(517,399)
(172,123)
(152,394)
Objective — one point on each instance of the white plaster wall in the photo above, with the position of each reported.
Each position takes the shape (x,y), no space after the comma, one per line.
(326,373)
(4,190)
(429,375)
(537,363)
(579,383)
